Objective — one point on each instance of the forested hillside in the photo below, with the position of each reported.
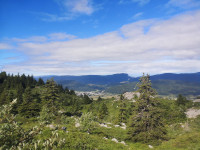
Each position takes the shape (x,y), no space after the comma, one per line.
(165,84)
(164,87)
(33,95)
(43,115)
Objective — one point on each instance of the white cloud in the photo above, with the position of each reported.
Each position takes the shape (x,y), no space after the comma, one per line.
(61,36)
(79,6)
(31,39)
(185,4)
(42,39)
(4,46)
(53,17)
(137,15)
(69,10)
(153,46)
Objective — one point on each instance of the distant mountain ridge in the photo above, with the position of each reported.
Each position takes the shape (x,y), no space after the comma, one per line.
(92,79)
(167,83)
(187,77)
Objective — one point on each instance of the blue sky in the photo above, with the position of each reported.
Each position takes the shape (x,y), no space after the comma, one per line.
(80,37)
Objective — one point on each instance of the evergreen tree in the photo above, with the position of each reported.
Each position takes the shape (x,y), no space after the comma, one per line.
(29,107)
(60,88)
(181,100)
(75,105)
(50,97)
(99,99)
(86,99)
(19,96)
(146,125)
(10,97)
(122,116)
(46,115)
(3,97)
(103,111)
(72,92)
(66,90)
(3,76)
(40,82)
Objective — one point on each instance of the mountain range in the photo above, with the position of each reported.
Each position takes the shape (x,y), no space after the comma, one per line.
(165,84)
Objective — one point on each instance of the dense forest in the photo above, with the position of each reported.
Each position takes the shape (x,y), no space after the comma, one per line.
(43,115)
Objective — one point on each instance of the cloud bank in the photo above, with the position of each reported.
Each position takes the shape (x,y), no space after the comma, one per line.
(184,4)
(70,9)
(150,46)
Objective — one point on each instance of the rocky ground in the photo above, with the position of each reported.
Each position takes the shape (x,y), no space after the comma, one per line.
(192,113)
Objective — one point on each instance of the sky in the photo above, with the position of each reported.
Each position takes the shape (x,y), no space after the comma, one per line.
(99,37)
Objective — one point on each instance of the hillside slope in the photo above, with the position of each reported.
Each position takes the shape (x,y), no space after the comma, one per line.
(165,84)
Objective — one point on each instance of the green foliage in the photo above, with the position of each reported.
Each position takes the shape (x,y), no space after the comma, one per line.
(103,111)
(50,97)
(75,106)
(11,133)
(146,124)
(185,141)
(122,116)
(171,113)
(195,124)
(54,105)
(99,99)
(40,82)
(181,100)
(29,107)
(46,115)
(87,122)
(86,99)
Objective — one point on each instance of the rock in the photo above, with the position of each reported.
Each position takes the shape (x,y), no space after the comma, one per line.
(104,125)
(116,125)
(150,146)
(122,142)
(61,111)
(123,128)
(77,125)
(131,95)
(192,113)
(123,124)
(196,100)
(115,140)
(51,126)
(105,138)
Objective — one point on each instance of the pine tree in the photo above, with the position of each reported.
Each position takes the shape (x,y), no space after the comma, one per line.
(146,125)
(103,111)
(86,99)
(40,82)
(72,92)
(10,96)
(99,99)
(3,97)
(181,100)
(122,116)
(75,105)
(19,96)
(50,97)
(46,115)
(29,107)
